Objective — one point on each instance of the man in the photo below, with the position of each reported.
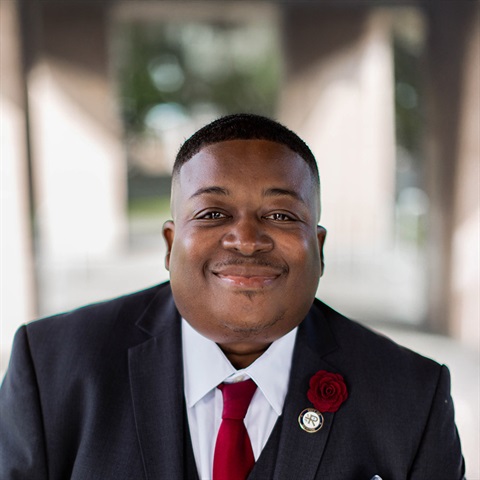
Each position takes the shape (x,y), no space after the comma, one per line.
(127,389)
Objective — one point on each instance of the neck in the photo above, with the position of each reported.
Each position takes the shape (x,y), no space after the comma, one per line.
(242,357)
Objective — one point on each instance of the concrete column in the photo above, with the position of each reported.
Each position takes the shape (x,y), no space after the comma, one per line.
(465,305)
(339,97)
(17,289)
(79,164)
(453,62)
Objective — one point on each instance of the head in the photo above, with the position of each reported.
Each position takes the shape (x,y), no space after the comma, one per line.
(244,249)
(245,126)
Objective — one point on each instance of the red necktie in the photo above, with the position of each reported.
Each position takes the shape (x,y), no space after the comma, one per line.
(233,457)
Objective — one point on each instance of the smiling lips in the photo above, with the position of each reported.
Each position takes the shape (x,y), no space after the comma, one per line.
(248,276)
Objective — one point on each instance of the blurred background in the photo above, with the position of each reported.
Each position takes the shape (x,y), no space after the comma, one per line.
(97,96)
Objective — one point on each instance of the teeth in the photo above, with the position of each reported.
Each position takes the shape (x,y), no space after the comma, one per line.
(253,281)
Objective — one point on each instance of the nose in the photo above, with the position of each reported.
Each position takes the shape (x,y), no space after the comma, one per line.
(247,237)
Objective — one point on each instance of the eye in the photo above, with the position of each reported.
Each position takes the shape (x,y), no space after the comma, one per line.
(212,216)
(280,217)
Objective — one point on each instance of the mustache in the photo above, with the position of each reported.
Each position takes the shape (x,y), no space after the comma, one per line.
(256,262)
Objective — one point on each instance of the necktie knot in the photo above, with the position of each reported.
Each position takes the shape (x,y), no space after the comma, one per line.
(237,398)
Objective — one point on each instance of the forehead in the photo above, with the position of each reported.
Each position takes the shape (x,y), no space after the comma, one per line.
(235,160)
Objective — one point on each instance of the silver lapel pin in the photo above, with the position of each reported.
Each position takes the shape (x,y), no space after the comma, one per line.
(311,420)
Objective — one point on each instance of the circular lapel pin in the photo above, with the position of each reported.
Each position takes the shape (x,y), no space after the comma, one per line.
(310,420)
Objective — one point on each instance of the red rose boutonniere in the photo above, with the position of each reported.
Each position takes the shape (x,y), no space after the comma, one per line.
(327,391)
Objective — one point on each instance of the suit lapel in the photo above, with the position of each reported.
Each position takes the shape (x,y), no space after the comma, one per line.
(299,453)
(156,379)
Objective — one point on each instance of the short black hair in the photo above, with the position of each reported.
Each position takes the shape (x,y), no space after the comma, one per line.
(244,126)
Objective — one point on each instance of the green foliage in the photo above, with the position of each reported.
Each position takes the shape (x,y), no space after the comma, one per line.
(409,117)
(232,67)
(149,207)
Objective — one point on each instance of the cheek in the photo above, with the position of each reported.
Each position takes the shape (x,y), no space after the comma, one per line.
(189,253)
(304,275)
(304,256)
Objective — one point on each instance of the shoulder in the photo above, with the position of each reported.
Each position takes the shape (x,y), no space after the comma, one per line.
(113,311)
(373,357)
(89,327)
(395,395)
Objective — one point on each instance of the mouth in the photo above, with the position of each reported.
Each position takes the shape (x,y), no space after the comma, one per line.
(248,276)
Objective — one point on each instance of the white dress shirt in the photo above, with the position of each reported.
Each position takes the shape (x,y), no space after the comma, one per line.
(205,366)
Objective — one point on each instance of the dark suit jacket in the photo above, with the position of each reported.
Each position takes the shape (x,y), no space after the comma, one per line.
(97,393)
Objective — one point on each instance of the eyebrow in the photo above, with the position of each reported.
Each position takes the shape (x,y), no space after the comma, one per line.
(269,192)
(213,190)
(282,192)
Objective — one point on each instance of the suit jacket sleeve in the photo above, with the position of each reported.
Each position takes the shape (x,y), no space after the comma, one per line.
(439,454)
(22,447)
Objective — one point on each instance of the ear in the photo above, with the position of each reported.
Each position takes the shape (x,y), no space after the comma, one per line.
(168,231)
(321,236)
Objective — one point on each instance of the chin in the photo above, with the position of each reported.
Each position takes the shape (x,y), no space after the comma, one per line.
(251,328)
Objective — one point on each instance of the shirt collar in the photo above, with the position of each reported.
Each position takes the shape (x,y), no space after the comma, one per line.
(206,366)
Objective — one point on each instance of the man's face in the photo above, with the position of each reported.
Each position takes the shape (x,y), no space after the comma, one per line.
(244,249)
